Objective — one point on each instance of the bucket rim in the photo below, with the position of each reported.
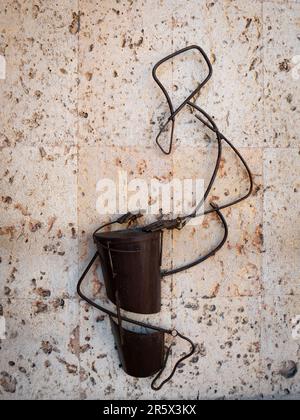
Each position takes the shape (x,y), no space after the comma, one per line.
(135,333)
(126,236)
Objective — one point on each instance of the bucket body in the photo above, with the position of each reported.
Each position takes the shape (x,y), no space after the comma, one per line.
(141,355)
(131,262)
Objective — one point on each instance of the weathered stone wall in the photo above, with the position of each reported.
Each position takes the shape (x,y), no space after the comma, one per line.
(77,104)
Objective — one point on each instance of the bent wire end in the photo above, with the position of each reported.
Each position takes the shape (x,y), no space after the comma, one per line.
(177,364)
(161,131)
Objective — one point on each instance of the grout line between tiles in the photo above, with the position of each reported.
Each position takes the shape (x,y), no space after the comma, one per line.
(77,186)
(263,198)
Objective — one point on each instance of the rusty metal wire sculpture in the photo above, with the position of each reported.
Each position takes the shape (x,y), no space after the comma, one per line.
(162,224)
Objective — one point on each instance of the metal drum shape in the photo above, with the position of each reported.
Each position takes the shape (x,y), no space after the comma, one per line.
(131,262)
(141,354)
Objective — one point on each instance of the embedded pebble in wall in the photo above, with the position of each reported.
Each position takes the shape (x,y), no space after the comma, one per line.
(289,369)
(8,383)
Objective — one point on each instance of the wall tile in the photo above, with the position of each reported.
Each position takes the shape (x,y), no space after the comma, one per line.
(227,335)
(280,345)
(39,94)
(281,80)
(131,162)
(140,163)
(236,269)
(101,373)
(39,358)
(116,95)
(39,221)
(281,215)
(231,35)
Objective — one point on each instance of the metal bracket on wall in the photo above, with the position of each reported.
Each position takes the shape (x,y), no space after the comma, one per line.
(131,258)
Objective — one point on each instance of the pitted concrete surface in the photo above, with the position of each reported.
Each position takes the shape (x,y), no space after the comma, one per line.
(78,104)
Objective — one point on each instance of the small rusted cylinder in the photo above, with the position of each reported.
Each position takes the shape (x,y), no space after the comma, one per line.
(141,355)
(131,262)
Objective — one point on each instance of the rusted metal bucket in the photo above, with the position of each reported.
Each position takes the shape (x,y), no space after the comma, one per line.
(141,354)
(131,261)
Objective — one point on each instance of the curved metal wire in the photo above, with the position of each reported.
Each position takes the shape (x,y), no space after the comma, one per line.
(205,257)
(209,123)
(173,112)
(179,222)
